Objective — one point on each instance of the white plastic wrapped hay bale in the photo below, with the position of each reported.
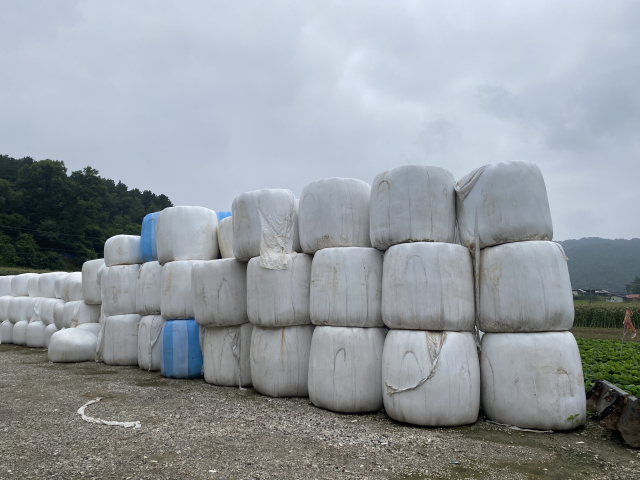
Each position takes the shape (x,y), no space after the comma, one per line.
(47,284)
(21,309)
(120,340)
(48,333)
(6,332)
(58,314)
(280,360)
(59,284)
(99,276)
(263,225)
(219,292)
(72,287)
(122,250)
(226,353)
(148,289)
(345,369)
(225,237)
(5,303)
(90,327)
(413,203)
(511,202)
(334,213)
(5,286)
(431,378)
(118,286)
(346,287)
(20,333)
(77,313)
(279,298)
(533,380)
(20,285)
(525,287)
(150,342)
(33,285)
(187,233)
(72,345)
(176,299)
(428,286)
(35,335)
(90,287)
(48,308)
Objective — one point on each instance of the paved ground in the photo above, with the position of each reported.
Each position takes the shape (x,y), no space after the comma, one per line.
(194,430)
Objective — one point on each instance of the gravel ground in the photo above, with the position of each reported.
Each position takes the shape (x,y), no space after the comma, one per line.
(194,430)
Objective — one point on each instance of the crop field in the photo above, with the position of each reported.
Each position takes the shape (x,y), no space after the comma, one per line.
(604,314)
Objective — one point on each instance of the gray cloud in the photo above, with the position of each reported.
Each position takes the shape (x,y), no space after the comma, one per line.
(202,101)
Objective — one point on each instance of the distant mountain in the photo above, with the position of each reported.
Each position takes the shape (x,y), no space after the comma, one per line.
(603,263)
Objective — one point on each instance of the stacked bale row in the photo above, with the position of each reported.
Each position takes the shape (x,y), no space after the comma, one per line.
(531,370)
(6,326)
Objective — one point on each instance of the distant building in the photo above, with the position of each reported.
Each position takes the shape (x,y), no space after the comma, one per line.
(578,292)
(633,298)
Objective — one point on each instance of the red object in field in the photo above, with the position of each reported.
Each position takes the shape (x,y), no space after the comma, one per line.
(627,323)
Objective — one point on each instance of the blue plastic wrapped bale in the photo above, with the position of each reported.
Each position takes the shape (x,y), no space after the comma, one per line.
(148,245)
(222,215)
(181,353)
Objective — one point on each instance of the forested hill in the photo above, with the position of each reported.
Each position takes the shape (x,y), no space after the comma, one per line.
(603,263)
(51,220)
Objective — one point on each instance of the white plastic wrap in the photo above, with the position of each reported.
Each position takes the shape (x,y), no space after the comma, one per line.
(219,292)
(47,307)
(21,308)
(280,360)
(148,289)
(176,300)
(150,342)
(90,327)
(431,378)
(6,332)
(59,283)
(90,287)
(32,286)
(48,333)
(334,213)
(511,202)
(279,298)
(5,286)
(187,233)
(346,287)
(226,353)
(47,283)
(72,345)
(72,287)
(525,287)
(20,333)
(225,237)
(345,369)
(533,380)
(428,286)
(413,203)
(35,336)
(77,313)
(263,225)
(99,275)
(58,314)
(122,250)
(120,340)
(118,286)
(5,302)
(20,285)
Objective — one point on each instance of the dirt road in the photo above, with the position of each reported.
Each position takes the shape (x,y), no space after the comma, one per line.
(194,430)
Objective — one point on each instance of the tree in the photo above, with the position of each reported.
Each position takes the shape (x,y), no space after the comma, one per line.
(634,286)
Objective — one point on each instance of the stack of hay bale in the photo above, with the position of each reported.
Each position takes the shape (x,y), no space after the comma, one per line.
(6,327)
(148,298)
(51,304)
(277,301)
(346,274)
(430,369)
(118,342)
(21,308)
(530,364)
(185,236)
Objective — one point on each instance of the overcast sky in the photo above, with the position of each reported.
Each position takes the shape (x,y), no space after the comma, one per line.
(204,100)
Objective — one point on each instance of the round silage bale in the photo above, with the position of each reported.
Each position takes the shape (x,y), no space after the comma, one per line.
(176,300)
(59,284)
(77,313)
(120,340)
(33,286)
(187,233)
(47,283)
(48,333)
(72,345)
(5,303)
(280,360)
(334,213)
(6,332)
(72,287)
(225,237)
(510,202)
(346,287)
(148,236)
(219,292)
(525,287)
(428,286)
(279,298)
(5,286)
(150,342)
(533,380)
(118,289)
(20,333)
(413,203)
(181,351)
(20,285)
(226,355)
(122,250)
(431,378)
(47,307)
(35,336)
(58,314)
(149,289)
(90,287)
(345,369)
(21,309)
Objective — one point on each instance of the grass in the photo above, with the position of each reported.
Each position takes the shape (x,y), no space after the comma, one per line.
(604,314)
(4,271)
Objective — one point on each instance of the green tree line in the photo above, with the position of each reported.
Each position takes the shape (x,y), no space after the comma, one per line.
(55,221)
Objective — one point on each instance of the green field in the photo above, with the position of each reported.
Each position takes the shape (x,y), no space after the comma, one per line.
(604,314)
